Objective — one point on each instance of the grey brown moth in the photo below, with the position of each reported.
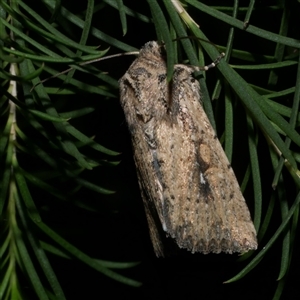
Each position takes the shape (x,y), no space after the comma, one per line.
(189,190)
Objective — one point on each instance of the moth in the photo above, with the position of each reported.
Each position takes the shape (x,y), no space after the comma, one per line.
(189,189)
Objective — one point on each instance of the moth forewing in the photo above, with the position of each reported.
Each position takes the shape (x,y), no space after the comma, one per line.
(188,186)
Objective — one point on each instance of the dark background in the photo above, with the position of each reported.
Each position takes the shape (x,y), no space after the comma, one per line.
(116,229)
(123,236)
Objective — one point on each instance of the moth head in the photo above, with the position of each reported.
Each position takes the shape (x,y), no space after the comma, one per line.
(152,50)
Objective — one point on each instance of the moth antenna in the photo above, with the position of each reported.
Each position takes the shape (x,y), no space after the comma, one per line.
(84,64)
(212,65)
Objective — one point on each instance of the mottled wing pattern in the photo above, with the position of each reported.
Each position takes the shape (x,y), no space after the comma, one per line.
(143,102)
(186,180)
